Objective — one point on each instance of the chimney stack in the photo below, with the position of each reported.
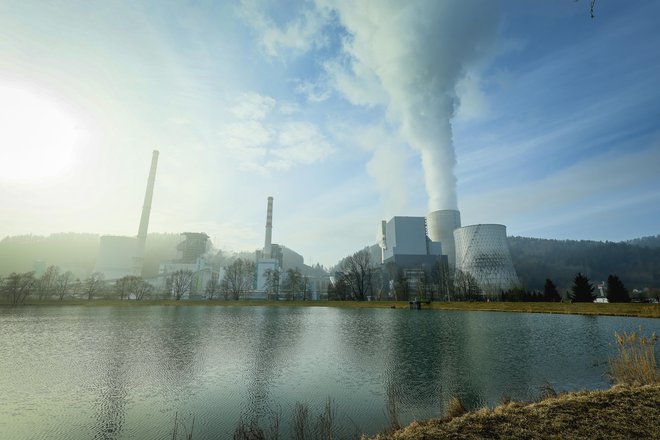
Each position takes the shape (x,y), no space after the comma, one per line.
(146,207)
(269,229)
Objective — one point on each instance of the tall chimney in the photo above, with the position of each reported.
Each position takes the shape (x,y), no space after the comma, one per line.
(146,207)
(269,229)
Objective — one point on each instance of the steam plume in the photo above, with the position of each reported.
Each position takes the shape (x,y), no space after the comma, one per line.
(416,52)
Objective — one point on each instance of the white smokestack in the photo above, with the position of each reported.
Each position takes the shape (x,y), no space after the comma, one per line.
(269,229)
(146,207)
(409,56)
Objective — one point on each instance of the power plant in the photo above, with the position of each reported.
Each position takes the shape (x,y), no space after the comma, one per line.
(121,256)
(482,251)
(413,245)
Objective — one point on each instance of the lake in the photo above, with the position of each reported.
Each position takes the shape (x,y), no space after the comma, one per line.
(124,372)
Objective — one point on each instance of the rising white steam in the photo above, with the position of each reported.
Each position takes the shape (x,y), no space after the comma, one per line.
(409,56)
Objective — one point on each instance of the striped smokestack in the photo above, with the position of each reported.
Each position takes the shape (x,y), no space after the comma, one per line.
(146,207)
(269,229)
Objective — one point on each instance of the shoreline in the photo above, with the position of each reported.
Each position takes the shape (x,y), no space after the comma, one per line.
(620,412)
(637,310)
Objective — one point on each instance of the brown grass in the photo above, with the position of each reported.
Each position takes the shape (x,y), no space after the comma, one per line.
(455,407)
(625,309)
(635,362)
(618,413)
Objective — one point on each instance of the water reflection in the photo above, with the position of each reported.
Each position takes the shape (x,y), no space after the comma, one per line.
(120,373)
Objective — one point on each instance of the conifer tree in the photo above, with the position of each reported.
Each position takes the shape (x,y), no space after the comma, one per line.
(616,291)
(550,292)
(582,290)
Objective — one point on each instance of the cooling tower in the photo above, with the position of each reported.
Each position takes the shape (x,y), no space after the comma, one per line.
(441,225)
(269,229)
(483,252)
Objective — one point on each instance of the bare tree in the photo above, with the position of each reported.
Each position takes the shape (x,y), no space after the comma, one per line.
(93,284)
(292,282)
(48,281)
(16,287)
(212,286)
(239,279)
(272,283)
(142,289)
(124,286)
(466,285)
(357,272)
(181,282)
(63,284)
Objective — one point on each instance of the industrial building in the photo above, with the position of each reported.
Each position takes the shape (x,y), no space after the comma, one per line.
(405,243)
(412,246)
(483,252)
(192,255)
(279,258)
(122,256)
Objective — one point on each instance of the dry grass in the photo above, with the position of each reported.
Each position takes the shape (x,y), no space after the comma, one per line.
(455,407)
(628,309)
(618,413)
(635,361)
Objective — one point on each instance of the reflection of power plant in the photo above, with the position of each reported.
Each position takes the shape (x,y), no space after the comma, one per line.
(122,256)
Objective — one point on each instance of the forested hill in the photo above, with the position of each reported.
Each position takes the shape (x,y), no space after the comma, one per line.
(536,259)
(652,241)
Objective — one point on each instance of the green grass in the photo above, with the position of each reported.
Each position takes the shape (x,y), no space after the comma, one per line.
(635,310)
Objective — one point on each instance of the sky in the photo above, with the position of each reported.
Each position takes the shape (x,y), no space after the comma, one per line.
(529,114)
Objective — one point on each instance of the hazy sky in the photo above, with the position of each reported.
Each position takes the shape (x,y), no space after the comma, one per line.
(345,114)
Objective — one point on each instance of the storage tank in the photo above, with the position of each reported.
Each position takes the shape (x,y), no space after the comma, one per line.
(483,252)
(441,225)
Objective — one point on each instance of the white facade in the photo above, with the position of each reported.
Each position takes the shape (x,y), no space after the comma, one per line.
(483,252)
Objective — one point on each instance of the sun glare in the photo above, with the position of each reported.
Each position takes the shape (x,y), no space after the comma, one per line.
(37,136)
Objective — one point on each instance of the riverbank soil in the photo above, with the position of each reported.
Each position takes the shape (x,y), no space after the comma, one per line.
(618,413)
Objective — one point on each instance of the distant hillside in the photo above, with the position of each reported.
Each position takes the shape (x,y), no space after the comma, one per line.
(75,252)
(652,241)
(536,259)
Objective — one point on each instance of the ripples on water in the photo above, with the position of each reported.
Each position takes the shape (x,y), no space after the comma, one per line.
(123,373)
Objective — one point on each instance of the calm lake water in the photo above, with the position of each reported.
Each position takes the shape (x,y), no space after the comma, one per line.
(123,373)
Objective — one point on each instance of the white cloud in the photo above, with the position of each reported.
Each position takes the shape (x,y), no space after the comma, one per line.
(259,143)
(299,35)
(253,106)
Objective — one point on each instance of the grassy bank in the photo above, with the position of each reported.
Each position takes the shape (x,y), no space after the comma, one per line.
(618,413)
(635,310)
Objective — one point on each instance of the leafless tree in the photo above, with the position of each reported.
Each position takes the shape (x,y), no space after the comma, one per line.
(16,287)
(181,282)
(124,286)
(63,284)
(292,283)
(466,286)
(143,289)
(48,281)
(272,283)
(212,286)
(357,272)
(93,284)
(239,279)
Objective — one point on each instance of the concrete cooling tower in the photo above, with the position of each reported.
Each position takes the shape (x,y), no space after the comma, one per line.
(441,225)
(482,251)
